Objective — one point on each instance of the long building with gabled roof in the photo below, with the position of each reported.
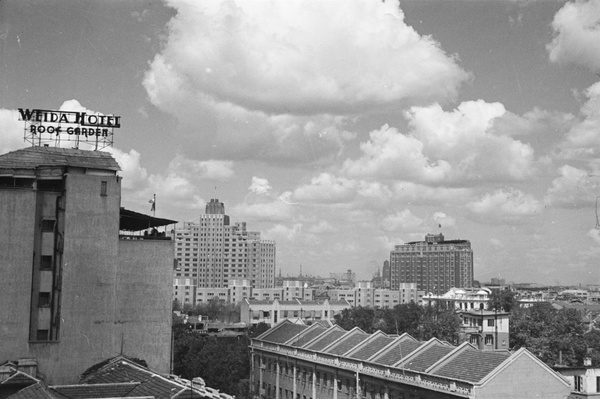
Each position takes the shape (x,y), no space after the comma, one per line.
(292,361)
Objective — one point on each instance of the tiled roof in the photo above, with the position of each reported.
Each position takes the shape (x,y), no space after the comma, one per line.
(85,391)
(397,352)
(35,391)
(426,356)
(118,372)
(370,348)
(19,378)
(308,335)
(283,332)
(471,364)
(326,339)
(33,157)
(346,343)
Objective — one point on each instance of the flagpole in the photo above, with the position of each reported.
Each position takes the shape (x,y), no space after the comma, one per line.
(154,207)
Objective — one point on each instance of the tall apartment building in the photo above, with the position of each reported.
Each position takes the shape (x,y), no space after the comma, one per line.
(214,252)
(435,265)
(75,288)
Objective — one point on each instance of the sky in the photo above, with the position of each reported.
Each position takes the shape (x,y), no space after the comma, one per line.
(338,128)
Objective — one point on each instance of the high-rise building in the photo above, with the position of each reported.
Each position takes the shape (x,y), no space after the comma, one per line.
(75,287)
(435,265)
(213,253)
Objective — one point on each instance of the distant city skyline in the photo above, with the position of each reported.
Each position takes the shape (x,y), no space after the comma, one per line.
(338,129)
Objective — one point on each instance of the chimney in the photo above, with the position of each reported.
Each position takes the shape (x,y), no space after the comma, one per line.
(587,361)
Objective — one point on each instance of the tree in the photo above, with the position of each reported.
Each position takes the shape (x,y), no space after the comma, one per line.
(359,316)
(549,333)
(502,300)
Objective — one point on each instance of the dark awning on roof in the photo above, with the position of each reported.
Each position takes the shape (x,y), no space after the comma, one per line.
(133,221)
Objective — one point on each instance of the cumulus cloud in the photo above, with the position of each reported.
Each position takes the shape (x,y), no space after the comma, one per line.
(326,188)
(404,220)
(211,169)
(11,131)
(259,185)
(323,227)
(443,220)
(505,205)
(390,154)
(326,53)
(471,143)
(574,187)
(594,234)
(577,34)
(583,141)
(235,64)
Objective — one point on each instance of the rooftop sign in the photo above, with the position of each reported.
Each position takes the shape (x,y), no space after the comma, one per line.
(44,127)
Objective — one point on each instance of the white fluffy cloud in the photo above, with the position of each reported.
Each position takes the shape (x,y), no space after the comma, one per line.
(390,153)
(583,140)
(11,131)
(401,221)
(458,146)
(505,205)
(328,54)
(278,79)
(574,187)
(577,34)
(326,188)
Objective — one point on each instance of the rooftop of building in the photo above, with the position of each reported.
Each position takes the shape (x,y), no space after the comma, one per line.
(36,157)
(464,364)
(121,377)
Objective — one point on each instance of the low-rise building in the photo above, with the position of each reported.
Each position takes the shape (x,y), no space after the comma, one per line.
(584,380)
(461,298)
(485,329)
(276,311)
(292,361)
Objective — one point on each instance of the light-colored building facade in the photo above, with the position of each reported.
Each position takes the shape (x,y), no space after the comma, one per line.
(485,329)
(75,288)
(276,311)
(363,294)
(584,380)
(461,298)
(212,253)
(292,361)
(435,265)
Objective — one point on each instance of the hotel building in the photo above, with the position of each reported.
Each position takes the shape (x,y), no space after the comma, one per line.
(436,265)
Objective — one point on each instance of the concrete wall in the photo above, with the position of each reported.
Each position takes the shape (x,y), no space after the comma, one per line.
(17,213)
(89,277)
(525,378)
(144,289)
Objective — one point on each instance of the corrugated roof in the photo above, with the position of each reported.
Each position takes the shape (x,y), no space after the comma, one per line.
(85,391)
(308,335)
(471,364)
(34,157)
(326,338)
(397,352)
(426,356)
(374,345)
(283,332)
(348,342)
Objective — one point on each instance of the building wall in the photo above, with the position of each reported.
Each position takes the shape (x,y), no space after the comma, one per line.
(16,245)
(113,295)
(143,321)
(534,382)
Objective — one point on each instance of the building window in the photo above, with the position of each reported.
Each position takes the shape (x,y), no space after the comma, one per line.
(41,335)
(103,187)
(578,383)
(46,262)
(48,224)
(490,322)
(489,340)
(44,300)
